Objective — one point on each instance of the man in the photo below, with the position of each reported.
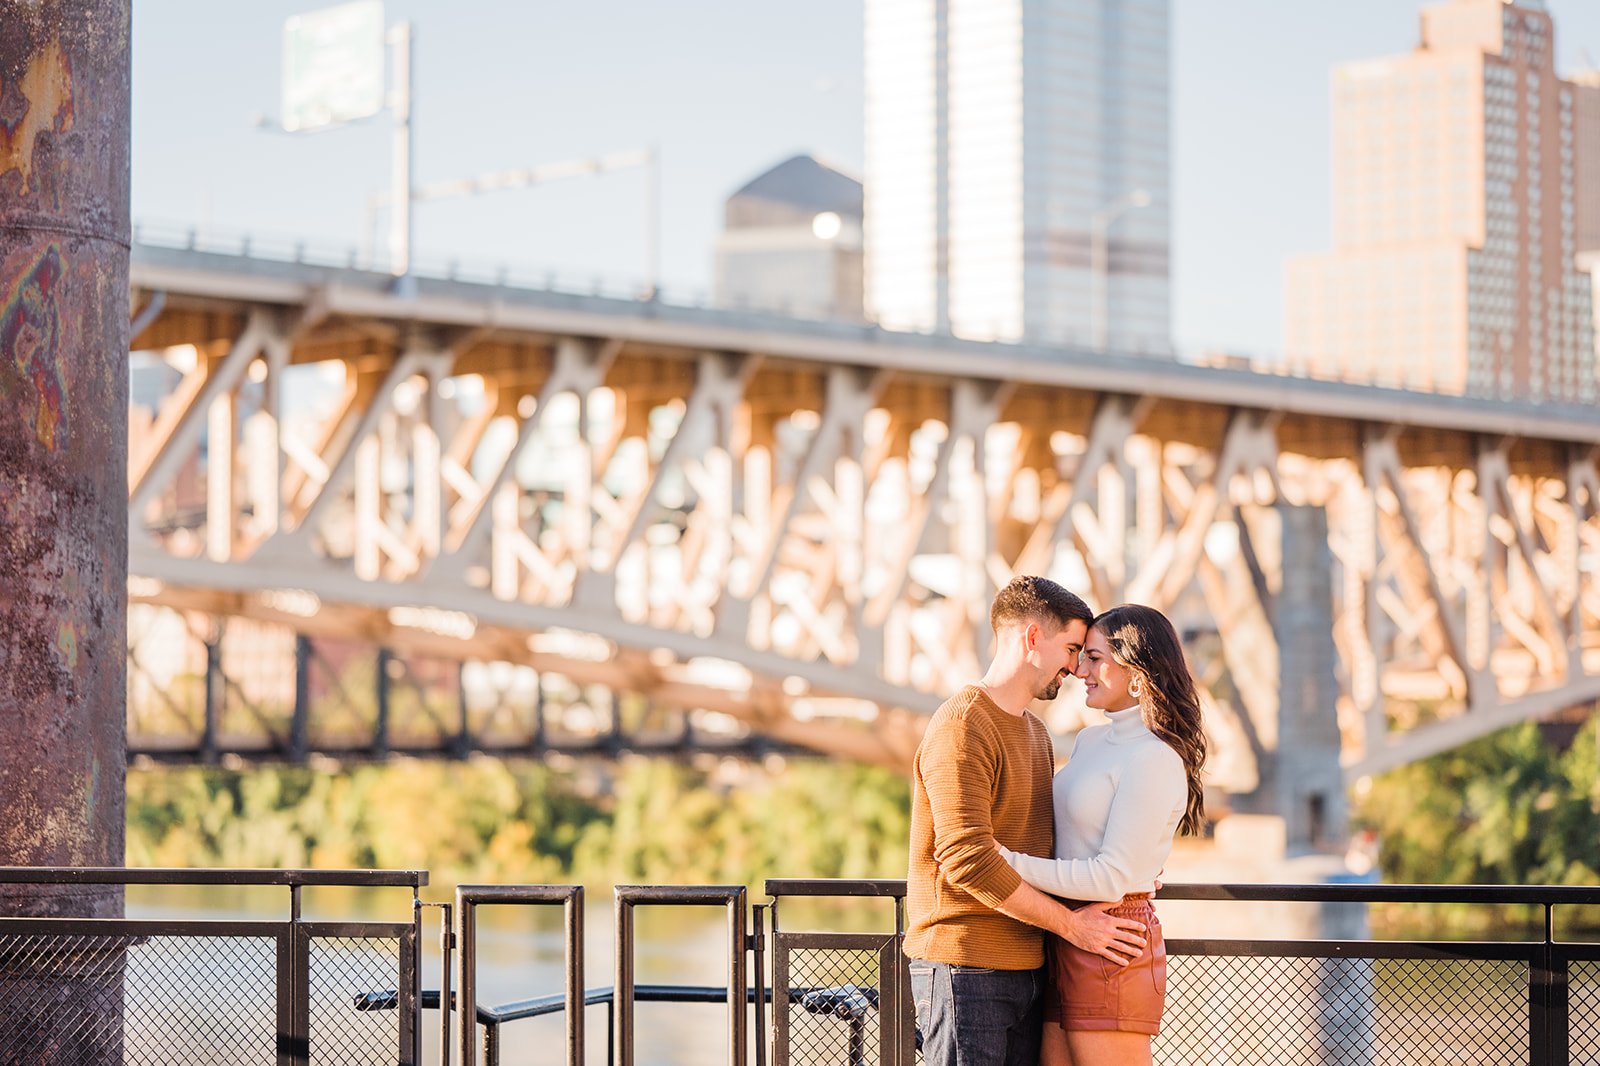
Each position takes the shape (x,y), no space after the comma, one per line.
(982,774)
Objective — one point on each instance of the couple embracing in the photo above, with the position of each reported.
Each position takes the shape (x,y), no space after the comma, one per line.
(1031,934)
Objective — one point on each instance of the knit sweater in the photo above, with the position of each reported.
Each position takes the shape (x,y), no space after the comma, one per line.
(1118,801)
(981,775)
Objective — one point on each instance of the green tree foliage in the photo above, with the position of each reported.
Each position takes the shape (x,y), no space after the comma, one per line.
(1507,809)
(488,820)
(814,820)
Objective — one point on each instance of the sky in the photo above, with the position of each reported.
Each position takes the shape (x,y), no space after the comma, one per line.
(723,89)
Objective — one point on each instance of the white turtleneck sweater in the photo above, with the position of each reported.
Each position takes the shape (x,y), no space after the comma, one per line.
(1118,801)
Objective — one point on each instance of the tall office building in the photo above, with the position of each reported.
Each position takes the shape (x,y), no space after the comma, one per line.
(1586,136)
(1455,218)
(1017,169)
(1586,123)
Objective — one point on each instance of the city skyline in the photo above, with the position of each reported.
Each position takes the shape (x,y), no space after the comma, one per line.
(1250,165)
(1456,217)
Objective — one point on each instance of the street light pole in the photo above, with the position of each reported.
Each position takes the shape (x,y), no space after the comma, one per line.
(400,188)
(652,224)
(1099,265)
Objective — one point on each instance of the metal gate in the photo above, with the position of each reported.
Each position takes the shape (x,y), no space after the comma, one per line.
(840,999)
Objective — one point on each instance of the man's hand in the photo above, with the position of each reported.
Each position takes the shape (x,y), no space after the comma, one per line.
(1090,927)
(1119,939)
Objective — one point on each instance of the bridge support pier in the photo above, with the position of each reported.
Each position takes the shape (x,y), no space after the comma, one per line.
(1293,826)
(64,236)
(1304,781)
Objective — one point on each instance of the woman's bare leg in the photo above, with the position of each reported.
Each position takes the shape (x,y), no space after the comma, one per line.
(1053,1050)
(1099,1048)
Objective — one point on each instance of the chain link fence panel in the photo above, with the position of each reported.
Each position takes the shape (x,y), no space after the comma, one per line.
(1286,1010)
(345,970)
(139,1000)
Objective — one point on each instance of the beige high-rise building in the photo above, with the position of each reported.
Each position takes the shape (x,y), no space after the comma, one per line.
(1586,137)
(1586,123)
(1455,218)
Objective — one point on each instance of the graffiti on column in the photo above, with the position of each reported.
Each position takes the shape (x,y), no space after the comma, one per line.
(30,329)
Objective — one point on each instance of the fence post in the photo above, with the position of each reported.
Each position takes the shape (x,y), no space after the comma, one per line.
(298,732)
(380,727)
(1547,1001)
(216,694)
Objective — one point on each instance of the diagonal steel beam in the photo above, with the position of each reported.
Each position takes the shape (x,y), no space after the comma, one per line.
(178,436)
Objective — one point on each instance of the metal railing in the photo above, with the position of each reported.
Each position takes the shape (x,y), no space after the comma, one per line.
(1349,1001)
(1277,1002)
(109,989)
(299,991)
(619,999)
(570,898)
(820,979)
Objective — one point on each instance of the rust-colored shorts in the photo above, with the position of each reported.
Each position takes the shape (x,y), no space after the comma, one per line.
(1087,991)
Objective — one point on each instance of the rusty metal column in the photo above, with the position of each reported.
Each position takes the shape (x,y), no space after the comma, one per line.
(64,234)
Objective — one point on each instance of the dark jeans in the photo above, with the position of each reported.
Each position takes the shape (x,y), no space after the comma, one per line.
(972,1016)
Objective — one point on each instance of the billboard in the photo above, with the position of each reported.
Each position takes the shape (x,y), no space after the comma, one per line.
(333,65)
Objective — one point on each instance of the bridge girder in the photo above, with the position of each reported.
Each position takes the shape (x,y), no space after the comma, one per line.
(829,509)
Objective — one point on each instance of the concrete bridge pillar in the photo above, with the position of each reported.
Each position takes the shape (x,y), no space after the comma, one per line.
(1304,782)
(1290,829)
(64,235)
(1293,826)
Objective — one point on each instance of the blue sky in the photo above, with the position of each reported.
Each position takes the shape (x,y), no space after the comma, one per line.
(725,88)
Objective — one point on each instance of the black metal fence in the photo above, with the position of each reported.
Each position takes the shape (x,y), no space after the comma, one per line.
(76,990)
(1338,1002)
(109,990)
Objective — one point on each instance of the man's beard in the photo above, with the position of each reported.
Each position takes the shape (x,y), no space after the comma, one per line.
(1053,689)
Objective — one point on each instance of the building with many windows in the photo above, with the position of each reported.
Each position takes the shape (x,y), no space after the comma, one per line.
(1455,218)
(1586,122)
(1017,172)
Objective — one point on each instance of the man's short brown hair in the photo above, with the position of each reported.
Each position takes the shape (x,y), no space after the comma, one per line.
(1028,598)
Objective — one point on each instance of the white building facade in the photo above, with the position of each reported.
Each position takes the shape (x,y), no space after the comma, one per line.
(1017,170)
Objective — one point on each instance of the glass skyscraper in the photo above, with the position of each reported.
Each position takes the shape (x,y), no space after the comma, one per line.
(1017,162)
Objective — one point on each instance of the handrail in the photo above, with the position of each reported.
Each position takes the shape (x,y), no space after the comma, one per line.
(539,1006)
(169,875)
(837,886)
(1255,892)
(1338,893)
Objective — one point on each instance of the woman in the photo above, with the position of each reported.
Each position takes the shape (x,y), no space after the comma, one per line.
(1127,786)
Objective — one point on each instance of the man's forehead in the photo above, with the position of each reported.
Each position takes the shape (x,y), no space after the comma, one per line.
(1075,632)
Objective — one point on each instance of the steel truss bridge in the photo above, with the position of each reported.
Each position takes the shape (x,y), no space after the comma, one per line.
(461,516)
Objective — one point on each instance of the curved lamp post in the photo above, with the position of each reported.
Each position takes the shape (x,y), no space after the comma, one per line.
(1099,224)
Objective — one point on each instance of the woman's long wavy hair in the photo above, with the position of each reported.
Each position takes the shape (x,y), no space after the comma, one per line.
(1144,641)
